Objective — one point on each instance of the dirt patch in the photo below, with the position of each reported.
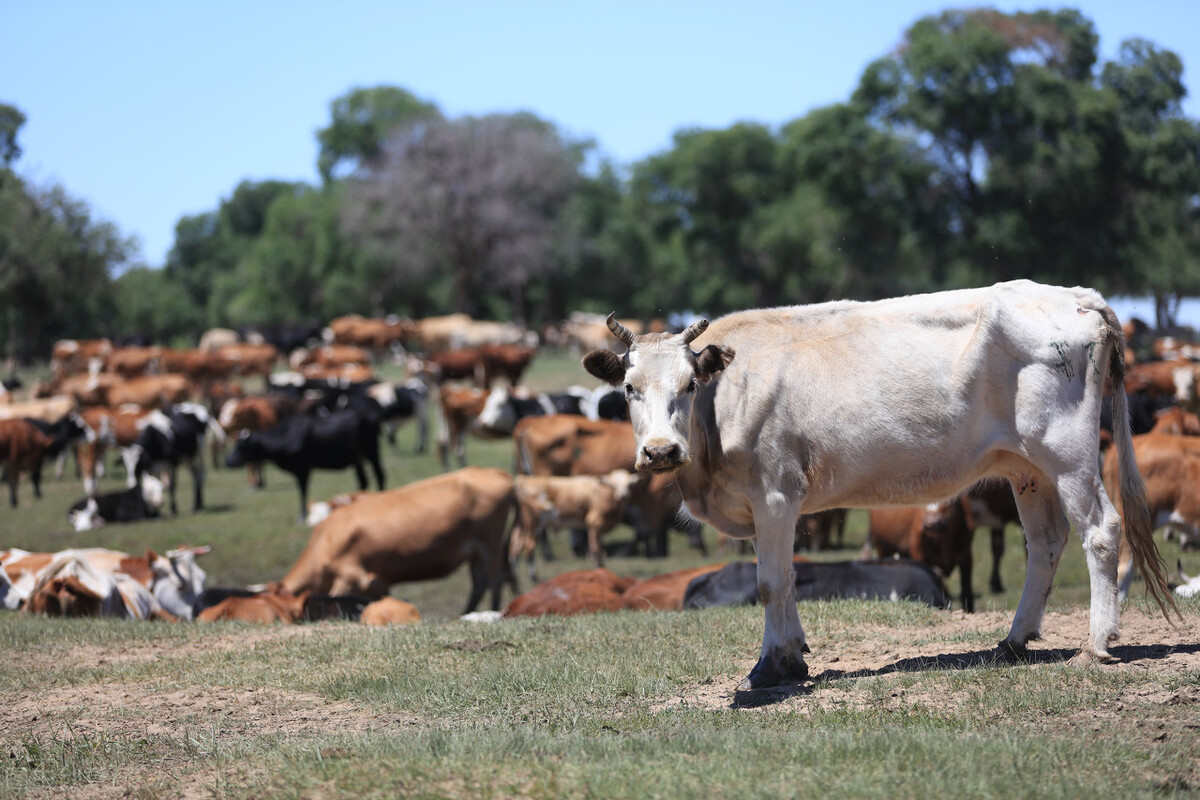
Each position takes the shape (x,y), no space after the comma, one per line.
(1149,644)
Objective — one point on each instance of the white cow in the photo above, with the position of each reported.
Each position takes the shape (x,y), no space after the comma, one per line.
(898,402)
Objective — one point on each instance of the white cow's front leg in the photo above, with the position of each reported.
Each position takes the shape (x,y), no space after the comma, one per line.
(781,660)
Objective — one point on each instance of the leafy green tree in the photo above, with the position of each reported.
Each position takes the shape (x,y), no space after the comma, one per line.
(361,121)
(11,122)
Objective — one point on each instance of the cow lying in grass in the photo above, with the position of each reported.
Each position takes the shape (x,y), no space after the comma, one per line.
(142,501)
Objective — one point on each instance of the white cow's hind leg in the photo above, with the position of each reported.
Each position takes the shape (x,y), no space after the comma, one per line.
(1099,527)
(781,659)
(1046,533)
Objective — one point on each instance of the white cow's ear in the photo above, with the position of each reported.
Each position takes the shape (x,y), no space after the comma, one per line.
(712,360)
(605,365)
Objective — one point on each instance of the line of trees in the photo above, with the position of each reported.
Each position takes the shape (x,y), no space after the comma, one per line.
(987,146)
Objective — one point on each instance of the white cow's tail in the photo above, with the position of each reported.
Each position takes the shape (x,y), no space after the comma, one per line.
(1138,525)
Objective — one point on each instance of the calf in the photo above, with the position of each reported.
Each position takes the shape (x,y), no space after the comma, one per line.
(422,531)
(594,502)
(138,502)
(938,534)
(302,443)
(22,447)
(888,579)
(390,611)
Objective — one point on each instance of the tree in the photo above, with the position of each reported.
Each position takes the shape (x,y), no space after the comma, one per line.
(477,198)
(11,121)
(361,121)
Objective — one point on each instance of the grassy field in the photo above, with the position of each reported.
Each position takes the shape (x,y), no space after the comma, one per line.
(905,700)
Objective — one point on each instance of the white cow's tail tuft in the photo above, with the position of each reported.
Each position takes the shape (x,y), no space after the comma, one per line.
(1138,525)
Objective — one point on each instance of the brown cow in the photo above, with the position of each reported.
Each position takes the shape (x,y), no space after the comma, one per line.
(507,361)
(69,356)
(112,427)
(1170,467)
(571,593)
(132,362)
(664,592)
(595,502)
(422,531)
(459,408)
(568,444)
(151,391)
(255,413)
(390,611)
(246,360)
(994,506)
(365,332)
(88,388)
(1175,420)
(329,355)
(261,609)
(22,446)
(939,534)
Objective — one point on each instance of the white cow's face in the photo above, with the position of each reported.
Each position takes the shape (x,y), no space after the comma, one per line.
(661,377)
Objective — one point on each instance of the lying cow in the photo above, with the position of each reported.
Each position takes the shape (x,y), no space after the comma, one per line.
(390,611)
(596,503)
(925,396)
(258,609)
(890,579)
(422,531)
(939,534)
(571,593)
(142,501)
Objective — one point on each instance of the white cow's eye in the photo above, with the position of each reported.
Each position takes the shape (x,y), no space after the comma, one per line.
(629,390)
(691,387)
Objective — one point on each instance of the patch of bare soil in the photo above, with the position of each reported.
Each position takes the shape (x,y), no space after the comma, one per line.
(1149,645)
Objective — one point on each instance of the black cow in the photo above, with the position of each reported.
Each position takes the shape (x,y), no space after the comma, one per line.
(886,579)
(138,502)
(302,443)
(63,434)
(607,403)
(172,437)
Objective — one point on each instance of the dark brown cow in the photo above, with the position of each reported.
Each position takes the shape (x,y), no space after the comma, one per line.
(939,534)
(22,446)
(422,531)
(507,361)
(993,505)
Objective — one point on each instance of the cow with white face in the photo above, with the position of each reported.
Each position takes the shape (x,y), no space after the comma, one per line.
(897,402)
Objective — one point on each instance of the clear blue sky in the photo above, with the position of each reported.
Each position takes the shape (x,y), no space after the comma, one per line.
(153,110)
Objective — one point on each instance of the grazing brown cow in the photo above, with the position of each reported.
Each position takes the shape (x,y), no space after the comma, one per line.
(422,531)
(571,593)
(261,609)
(22,447)
(664,592)
(390,611)
(595,502)
(939,534)
(329,355)
(993,505)
(365,332)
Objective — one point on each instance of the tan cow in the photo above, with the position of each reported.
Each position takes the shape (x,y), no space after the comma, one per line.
(151,391)
(367,333)
(596,503)
(1176,421)
(260,609)
(1170,467)
(49,409)
(457,411)
(798,409)
(422,531)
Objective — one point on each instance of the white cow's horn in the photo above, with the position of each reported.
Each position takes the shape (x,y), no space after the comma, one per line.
(619,330)
(695,329)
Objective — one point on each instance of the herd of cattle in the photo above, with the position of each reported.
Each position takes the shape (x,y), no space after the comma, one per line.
(321,405)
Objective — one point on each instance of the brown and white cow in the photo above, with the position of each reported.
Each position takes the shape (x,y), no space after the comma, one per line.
(422,531)
(69,356)
(594,502)
(896,402)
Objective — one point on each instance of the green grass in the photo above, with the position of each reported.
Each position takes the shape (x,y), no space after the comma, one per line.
(610,705)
